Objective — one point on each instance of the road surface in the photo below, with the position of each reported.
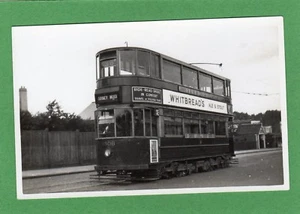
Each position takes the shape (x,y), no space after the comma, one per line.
(254,169)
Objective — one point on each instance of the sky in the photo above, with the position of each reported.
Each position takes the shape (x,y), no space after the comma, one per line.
(58,61)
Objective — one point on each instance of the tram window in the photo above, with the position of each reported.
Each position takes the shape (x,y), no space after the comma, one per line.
(171,72)
(189,77)
(97,67)
(154,66)
(173,126)
(154,125)
(108,55)
(128,62)
(148,122)
(188,114)
(143,59)
(205,82)
(218,86)
(195,115)
(123,122)
(178,113)
(220,128)
(228,90)
(106,123)
(169,112)
(107,68)
(191,126)
(207,127)
(138,122)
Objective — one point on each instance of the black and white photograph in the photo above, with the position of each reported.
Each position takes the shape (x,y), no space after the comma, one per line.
(150,108)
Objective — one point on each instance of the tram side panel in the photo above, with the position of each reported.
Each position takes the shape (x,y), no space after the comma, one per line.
(189,149)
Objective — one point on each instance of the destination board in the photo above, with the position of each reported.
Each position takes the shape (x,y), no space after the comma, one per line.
(107,98)
(146,94)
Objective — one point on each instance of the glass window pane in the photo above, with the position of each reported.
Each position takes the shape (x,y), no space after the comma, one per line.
(154,67)
(191,126)
(108,55)
(171,71)
(154,125)
(97,67)
(205,82)
(148,122)
(218,86)
(228,88)
(143,63)
(128,62)
(173,126)
(107,67)
(220,128)
(169,112)
(123,122)
(138,122)
(189,77)
(106,123)
(207,127)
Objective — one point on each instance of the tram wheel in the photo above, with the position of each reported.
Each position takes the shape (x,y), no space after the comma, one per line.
(219,162)
(206,166)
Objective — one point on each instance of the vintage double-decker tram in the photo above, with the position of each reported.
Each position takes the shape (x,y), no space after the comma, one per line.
(157,116)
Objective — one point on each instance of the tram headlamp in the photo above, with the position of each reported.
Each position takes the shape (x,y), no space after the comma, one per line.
(107,152)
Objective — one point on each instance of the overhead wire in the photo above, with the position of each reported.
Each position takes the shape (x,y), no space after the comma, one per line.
(259,94)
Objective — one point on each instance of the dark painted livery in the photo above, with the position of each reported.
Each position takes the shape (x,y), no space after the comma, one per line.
(140,135)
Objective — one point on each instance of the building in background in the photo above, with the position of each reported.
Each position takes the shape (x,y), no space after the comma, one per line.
(250,136)
(88,112)
(23,99)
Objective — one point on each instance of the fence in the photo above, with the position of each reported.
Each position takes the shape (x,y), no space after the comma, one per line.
(45,149)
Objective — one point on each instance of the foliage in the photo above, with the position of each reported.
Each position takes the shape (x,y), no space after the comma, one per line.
(54,119)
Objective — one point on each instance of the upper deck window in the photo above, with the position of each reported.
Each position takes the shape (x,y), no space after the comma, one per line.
(205,83)
(143,59)
(107,68)
(228,90)
(97,67)
(218,86)
(171,71)
(128,62)
(189,77)
(108,64)
(154,66)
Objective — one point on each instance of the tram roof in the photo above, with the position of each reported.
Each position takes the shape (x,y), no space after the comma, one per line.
(165,57)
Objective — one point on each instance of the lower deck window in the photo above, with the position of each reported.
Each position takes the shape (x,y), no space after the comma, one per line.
(220,128)
(126,122)
(106,123)
(123,122)
(191,126)
(138,122)
(207,127)
(173,126)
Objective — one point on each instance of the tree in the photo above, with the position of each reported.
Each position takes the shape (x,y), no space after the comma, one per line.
(55,119)
(25,120)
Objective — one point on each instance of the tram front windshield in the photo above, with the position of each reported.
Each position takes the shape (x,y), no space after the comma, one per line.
(124,122)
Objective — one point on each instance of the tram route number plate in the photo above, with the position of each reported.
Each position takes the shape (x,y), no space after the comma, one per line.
(146,94)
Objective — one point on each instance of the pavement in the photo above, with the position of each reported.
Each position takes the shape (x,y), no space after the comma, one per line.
(90,168)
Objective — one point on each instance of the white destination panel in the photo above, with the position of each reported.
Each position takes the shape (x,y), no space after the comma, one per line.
(189,101)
